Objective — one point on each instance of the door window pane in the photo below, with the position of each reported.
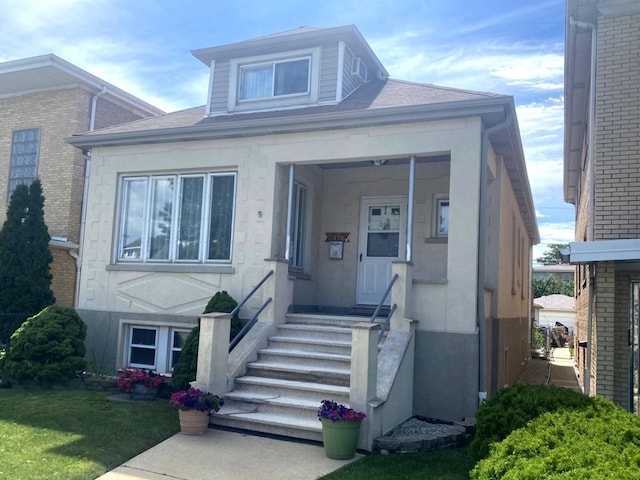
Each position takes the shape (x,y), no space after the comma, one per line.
(443,218)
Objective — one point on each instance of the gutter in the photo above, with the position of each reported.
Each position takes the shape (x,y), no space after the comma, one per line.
(295,123)
(480,317)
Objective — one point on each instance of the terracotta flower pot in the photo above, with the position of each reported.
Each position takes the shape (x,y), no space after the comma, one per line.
(193,422)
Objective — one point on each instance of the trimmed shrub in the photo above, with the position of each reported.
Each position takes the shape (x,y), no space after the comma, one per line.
(47,349)
(184,371)
(514,407)
(600,441)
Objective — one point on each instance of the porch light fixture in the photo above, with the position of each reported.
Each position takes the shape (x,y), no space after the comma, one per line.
(378,163)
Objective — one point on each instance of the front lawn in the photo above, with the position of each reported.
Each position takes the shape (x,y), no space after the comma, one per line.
(447,464)
(75,434)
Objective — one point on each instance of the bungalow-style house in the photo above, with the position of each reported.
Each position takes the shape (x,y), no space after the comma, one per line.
(602,180)
(319,189)
(43,100)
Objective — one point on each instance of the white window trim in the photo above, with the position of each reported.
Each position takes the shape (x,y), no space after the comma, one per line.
(164,345)
(146,227)
(438,200)
(278,102)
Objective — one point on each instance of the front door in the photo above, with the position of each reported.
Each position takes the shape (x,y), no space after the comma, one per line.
(382,240)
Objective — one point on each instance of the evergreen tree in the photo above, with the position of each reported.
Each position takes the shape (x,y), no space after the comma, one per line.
(25,277)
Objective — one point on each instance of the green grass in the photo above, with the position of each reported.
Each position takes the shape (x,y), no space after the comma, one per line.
(448,464)
(75,434)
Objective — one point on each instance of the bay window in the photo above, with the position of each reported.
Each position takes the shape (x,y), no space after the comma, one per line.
(176,218)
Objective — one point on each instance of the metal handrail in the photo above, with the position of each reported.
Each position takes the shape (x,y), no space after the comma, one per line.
(248,326)
(381,302)
(248,296)
(251,322)
(387,322)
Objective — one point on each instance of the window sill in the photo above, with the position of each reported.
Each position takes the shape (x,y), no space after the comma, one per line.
(436,240)
(170,268)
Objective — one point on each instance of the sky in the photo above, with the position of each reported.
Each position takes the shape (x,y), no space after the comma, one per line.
(499,46)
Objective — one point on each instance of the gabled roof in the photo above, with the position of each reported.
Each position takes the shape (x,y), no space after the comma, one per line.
(49,72)
(555,302)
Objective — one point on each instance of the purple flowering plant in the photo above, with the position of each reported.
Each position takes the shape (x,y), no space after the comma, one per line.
(129,376)
(196,399)
(336,412)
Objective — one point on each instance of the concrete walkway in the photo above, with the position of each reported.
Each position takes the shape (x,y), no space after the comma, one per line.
(227,456)
(237,456)
(562,369)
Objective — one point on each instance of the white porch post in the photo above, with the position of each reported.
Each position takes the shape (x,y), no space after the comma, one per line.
(213,353)
(410,201)
(287,247)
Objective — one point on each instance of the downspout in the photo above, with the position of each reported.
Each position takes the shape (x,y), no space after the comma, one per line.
(85,195)
(482,231)
(592,188)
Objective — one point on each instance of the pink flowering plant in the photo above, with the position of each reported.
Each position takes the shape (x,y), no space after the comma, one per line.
(130,376)
(196,399)
(338,413)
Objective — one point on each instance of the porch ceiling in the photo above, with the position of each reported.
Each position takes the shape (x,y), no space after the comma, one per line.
(385,162)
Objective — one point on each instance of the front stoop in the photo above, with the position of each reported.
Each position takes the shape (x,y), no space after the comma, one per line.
(308,360)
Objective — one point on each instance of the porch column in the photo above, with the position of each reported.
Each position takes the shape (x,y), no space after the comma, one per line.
(410,201)
(213,353)
(280,289)
(287,247)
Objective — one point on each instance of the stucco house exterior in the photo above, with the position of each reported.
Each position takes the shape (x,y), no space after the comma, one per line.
(332,188)
(602,180)
(43,100)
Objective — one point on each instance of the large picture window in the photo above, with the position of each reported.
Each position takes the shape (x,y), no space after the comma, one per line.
(176,218)
(274,79)
(23,166)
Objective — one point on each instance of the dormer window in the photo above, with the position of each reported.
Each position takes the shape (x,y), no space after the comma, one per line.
(275,79)
(278,81)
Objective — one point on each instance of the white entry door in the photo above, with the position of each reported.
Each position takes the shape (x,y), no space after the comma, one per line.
(383,231)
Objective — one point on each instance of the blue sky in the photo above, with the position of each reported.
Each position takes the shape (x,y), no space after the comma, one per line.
(499,46)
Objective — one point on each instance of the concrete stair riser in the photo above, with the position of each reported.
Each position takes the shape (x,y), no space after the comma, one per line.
(286,343)
(304,363)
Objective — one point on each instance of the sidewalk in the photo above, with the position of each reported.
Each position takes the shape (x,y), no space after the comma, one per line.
(557,370)
(227,455)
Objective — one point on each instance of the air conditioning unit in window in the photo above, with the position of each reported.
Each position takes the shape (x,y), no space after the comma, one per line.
(359,69)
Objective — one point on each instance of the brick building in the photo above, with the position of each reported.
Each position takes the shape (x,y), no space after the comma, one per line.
(43,100)
(602,179)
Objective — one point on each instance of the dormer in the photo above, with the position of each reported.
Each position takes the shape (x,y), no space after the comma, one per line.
(299,68)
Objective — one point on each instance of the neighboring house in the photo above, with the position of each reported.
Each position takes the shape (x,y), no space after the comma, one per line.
(602,180)
(562,272)
(43,100)
(309,161)
(552,309)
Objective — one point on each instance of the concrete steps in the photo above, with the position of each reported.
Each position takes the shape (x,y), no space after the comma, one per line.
(308,360)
